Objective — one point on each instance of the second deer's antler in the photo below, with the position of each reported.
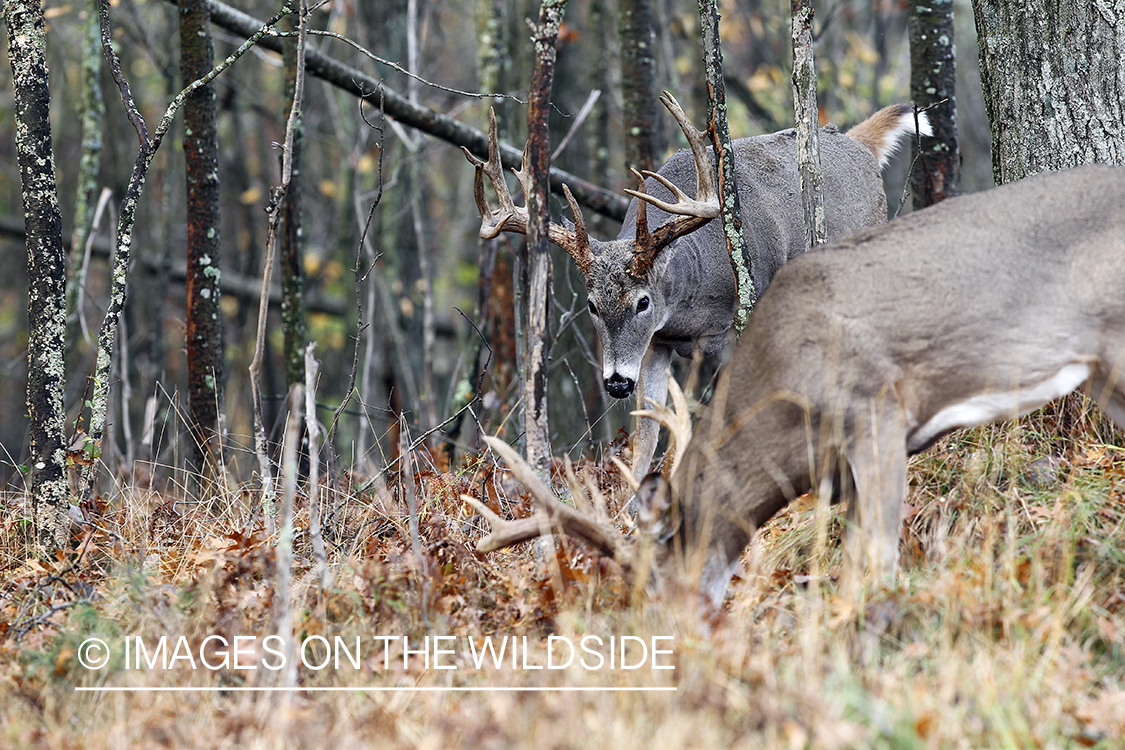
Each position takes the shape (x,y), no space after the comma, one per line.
(513,218)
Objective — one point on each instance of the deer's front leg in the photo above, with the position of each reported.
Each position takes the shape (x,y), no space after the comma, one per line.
(877,461)
(654,385)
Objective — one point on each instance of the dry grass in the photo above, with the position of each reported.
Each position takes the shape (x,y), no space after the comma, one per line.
(1007,628)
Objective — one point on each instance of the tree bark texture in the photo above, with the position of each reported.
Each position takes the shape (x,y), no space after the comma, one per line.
(46,271)
(745,293)
(808,126)
(1053,74)
(293,317)
(93,109)
(644,141)
(204,315)
(937,175)
(538,290)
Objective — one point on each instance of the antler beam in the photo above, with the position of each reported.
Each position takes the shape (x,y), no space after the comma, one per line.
(691,213)
(559,515)
(513,218)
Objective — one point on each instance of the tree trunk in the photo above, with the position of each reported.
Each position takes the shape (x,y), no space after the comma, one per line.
(745,293)
(937,175)
(293,323)
(808,126)
(644,140)
(1053,74)
(204,315)
(46,272)
(538,289)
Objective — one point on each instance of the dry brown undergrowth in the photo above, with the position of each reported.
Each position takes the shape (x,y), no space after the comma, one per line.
(1007,628)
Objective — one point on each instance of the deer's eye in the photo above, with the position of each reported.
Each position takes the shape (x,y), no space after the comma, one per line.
(642,304)
(593,308)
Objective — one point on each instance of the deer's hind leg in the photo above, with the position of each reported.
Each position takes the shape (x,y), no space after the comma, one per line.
(876,455)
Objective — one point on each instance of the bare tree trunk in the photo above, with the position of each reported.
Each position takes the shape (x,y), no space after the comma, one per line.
(538,290)
(745,293)
(1053,74)
(933,87)
(808,126)
(93,109)
(46,271)
(644,138)
(204,313)
(492,75)
(293,323)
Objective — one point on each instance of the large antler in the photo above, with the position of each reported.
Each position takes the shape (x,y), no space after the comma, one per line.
(559,516)
(690,213)
(513,218)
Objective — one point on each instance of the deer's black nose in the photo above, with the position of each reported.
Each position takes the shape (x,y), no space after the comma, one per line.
(619,386)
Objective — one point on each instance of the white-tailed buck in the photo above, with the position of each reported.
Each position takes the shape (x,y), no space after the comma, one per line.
(981,308)
(671,288)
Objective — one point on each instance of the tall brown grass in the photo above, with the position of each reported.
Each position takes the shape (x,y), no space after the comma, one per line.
(1006,628)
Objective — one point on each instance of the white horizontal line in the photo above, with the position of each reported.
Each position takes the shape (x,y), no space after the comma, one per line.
(212,689)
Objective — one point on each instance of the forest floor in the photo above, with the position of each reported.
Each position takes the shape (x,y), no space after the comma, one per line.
(1006,627)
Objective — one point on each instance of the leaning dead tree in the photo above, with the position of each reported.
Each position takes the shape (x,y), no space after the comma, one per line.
(537,162)
(398,107)
(46,271)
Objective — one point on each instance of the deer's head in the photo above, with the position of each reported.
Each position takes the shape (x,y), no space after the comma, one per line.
(626,296)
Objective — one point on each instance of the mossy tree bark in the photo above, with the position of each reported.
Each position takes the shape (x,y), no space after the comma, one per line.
(204,314)
(1053,74)
(46,271)
(933,75)
(747,296)
(538,296)
(644,140)
(293,316)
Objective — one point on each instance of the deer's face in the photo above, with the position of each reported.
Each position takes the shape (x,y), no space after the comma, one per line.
(626,311)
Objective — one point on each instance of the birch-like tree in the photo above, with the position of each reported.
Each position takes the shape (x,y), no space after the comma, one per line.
(46,271)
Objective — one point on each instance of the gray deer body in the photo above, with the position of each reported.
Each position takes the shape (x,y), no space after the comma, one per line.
(978,309)
(690,288)
(671,289)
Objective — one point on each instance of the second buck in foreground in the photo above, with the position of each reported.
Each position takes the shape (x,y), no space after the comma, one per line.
(978,309)
(671,288)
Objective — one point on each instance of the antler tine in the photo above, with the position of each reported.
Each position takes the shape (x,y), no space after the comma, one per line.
(678,421)
(510,217)
(690,213)
(704,172)
(513,218)
(559,515)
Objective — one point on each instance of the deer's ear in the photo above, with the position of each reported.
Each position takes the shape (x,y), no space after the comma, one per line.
(653,499)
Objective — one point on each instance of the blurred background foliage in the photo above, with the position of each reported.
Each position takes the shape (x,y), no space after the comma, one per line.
(863,64)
